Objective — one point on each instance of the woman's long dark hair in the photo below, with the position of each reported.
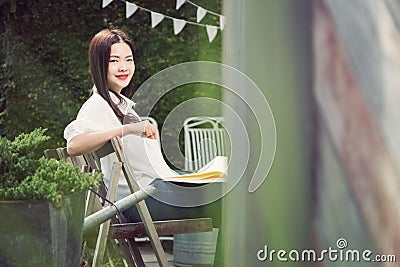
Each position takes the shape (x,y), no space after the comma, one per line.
(99,58)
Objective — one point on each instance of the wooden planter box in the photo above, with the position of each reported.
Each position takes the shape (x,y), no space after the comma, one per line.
(38,233)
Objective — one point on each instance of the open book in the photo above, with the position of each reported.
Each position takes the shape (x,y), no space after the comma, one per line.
(214,171)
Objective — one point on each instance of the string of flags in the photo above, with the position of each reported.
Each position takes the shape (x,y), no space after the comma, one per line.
(178,24)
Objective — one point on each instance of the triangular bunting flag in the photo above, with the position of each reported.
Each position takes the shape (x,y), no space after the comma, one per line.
(156,18)
(130,9)
(222,21)
(211,32)
(179,3)
(178,25)
(106,3)
(201,12)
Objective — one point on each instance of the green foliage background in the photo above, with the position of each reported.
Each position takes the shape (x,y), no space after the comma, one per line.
(45,76)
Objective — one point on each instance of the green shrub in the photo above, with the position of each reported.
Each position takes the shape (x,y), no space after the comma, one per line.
(26,175)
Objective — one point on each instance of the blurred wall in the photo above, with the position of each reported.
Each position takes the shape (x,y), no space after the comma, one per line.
(329,70)
(356,61)
(270,41)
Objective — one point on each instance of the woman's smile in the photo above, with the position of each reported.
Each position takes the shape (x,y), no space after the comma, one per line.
(122,76)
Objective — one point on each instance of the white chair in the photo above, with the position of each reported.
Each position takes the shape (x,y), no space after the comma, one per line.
(205,138)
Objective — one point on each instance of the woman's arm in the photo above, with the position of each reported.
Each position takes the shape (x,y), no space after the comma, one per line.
(87,142)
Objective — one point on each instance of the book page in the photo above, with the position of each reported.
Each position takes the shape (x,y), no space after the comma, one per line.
(214,171)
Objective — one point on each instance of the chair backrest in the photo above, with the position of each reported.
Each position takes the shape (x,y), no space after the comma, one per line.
(93,158)
(205,138)
(62,154)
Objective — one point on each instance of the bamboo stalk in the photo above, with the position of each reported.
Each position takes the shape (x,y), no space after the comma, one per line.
(106,213)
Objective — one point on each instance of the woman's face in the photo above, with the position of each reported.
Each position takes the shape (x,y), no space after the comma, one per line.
(121,67)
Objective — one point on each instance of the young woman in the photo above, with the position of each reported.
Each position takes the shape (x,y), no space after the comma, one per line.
(108,113)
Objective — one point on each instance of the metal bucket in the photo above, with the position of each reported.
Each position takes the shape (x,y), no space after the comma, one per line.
(37,233)
(195,248)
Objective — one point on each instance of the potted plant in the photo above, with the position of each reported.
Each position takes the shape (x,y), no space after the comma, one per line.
(41,204)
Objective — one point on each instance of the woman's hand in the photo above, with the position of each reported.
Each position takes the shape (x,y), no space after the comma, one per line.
(142,128)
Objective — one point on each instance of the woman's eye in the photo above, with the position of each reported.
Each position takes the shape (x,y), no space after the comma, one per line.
(130,59)
(113,60)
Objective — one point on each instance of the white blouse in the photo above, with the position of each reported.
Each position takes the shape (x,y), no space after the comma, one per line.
(143,155)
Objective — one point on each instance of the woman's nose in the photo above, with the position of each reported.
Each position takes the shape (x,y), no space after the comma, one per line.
(123,67)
